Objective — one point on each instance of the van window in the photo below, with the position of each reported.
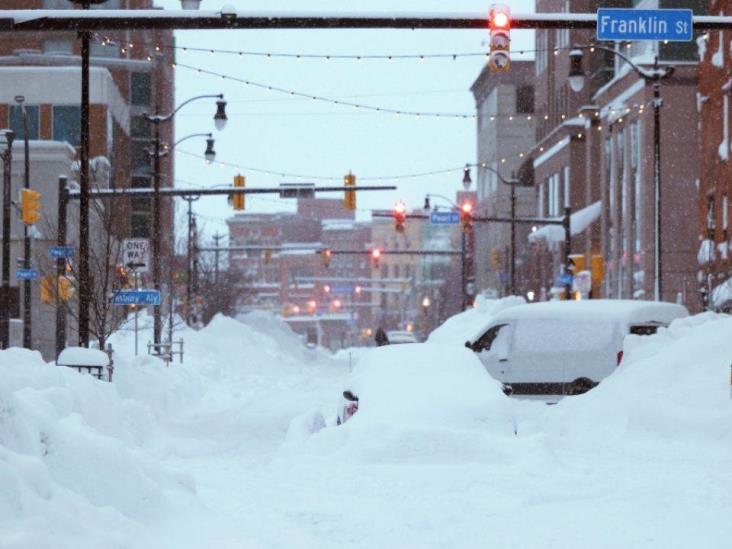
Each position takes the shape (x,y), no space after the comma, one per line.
(644,329)
(557,335)
(485,343)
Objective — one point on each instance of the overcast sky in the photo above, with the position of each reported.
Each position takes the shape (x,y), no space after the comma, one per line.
(283,134)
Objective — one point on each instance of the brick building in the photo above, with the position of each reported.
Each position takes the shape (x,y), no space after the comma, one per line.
(45,68)
(714,240)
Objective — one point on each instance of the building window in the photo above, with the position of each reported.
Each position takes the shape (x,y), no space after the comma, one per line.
(16,121)
(141,88)
(140,158)
(67,124)
(525,99)
(540,200)
(725,214)
(711,223)
(140,225)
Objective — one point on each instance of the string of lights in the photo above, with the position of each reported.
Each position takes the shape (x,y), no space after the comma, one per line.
(637,108)
(128,46)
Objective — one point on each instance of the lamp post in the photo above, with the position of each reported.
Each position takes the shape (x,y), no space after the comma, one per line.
(7,156)
(653,75)
(467,181)
(27,333)
(157,119)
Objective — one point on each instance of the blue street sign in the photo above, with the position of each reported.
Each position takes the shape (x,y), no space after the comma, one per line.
(633,24)
(26,274)
(438,217)
(61,252)
(564,279)
(137,297)
(341,289)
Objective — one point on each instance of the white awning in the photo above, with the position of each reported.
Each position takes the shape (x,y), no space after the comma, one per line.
(578,222)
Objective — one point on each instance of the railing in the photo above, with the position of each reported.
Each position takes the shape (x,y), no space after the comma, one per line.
(167,350)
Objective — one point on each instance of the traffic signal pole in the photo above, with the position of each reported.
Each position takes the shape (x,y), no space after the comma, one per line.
(27,328)
(7,156)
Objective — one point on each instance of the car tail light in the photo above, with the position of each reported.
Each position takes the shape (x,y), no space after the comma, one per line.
(620,357)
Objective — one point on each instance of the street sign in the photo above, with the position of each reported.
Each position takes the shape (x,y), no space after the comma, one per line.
(341,289)
(564,279)
(136,297)
(26,274)
(438,217)
(61,252)
(634,24)
(136,254)
(583,282)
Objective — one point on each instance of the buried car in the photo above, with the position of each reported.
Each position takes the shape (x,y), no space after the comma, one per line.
(424,383)
(565,347)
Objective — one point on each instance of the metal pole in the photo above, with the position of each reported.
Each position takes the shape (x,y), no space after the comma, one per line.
(657,102)
(157,321)
(137,310)
(216,238)
(27,333)
(464,271)
(512,265)
(195,267)
(84,276)
(61,264)
(5,298)
(189,259)
(567,249)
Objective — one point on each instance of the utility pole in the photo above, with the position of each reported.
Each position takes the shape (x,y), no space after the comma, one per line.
(512,265)
(189,256)
(84,276)
(156,236)
(216,239)
(7,155)
(27,329)
(566,223)
(63,201)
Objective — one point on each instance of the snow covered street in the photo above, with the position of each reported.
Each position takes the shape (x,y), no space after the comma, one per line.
(217,452)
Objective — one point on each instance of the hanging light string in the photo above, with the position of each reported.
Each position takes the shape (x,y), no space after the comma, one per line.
(127,46)
(638,109)
(362,106)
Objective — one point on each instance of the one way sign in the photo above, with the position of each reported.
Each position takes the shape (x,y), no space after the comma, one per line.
(136,254)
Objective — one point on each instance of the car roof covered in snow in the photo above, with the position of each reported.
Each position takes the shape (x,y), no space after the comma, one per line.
(627,311)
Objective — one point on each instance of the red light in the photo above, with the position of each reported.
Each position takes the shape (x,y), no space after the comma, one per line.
(312,304)
(337,304)
(400,208)
(501,20)
(467,207)
(376,253)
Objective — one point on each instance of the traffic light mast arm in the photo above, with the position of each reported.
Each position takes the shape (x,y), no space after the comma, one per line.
(75,194)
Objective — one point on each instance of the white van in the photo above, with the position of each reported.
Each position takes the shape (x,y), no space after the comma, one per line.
(565,347)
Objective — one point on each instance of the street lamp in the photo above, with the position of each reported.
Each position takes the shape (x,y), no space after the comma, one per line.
(7,156)
(512,183)
(157,119)
(653,75)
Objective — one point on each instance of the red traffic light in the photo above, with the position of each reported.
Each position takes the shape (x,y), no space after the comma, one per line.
(400,216)
(467,208)
(500,17)
(375,253)
(337,304)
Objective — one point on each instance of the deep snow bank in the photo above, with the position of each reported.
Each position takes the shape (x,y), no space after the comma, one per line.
(672,387)
(82,461)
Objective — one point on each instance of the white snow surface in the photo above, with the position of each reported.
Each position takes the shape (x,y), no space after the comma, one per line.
(470,324)
(236,448)
(578,222)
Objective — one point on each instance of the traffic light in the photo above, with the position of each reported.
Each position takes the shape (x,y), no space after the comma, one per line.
(238,200)
(496,259)
(349,199)
(337,304)
(47,296)
(326,256)
(400,216)
(312,306)
(598,269)
(466,216)
(375,256)
(576,263)
(500,43)
(65,288)
(30,206)
(122,277)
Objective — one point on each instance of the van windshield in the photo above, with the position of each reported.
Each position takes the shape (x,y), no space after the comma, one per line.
(552,335)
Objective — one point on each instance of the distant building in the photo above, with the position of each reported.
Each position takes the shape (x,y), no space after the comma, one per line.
(505,129)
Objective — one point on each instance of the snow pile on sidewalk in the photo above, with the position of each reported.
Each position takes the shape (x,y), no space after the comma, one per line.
(470,324)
